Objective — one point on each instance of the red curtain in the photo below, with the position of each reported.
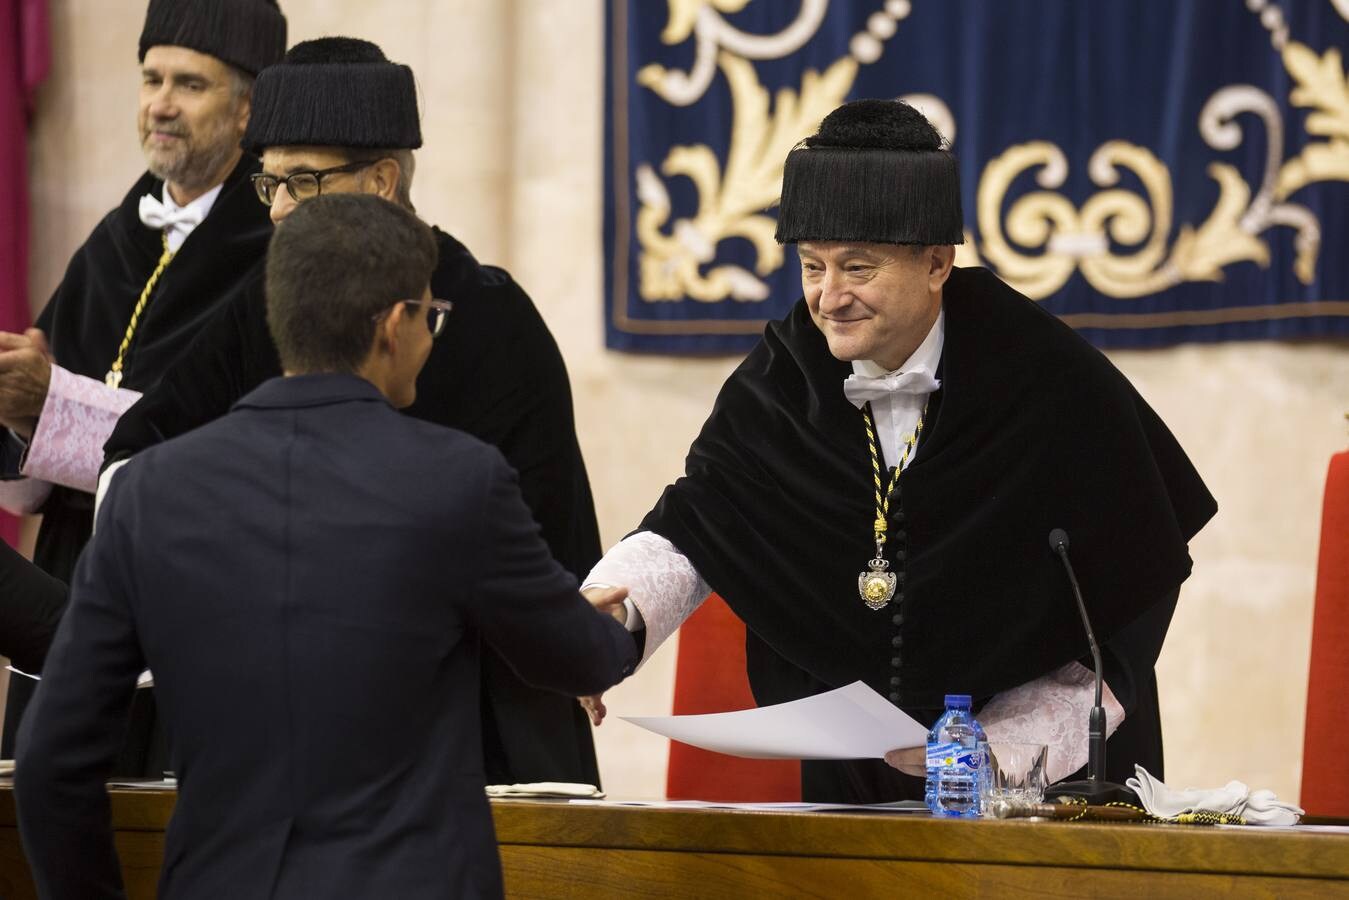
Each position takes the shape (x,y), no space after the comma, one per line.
(1325,747)
(26,56)
(710,677)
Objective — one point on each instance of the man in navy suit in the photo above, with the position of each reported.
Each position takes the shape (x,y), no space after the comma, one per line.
(309,578)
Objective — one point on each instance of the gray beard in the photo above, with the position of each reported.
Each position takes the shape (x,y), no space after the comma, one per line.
(196,170)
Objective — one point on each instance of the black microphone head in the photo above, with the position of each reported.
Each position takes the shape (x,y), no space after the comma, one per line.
(1058,540)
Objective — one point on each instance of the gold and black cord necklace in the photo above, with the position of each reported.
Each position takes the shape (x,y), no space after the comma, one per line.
(877,584)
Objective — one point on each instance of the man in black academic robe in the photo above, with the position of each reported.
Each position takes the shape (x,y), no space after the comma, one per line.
(1025,428)
(144,282)
(335,116)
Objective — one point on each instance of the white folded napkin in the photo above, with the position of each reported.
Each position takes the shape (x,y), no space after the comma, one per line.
(1256,807)
(544,789)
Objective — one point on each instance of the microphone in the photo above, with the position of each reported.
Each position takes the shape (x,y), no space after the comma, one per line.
(1095,789)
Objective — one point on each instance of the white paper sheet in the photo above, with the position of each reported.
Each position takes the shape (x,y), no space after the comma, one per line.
(852,722)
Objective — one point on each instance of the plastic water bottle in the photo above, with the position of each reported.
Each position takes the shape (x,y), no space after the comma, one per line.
(957,754)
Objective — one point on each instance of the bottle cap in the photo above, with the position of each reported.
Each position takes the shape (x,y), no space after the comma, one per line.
(957,701)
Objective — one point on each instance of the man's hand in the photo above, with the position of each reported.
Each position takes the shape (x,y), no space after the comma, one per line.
(606,600)
(25,374)
(594,707)
(910,761)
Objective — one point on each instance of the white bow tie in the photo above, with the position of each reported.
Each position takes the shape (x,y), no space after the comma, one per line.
(862,389)
(156,215)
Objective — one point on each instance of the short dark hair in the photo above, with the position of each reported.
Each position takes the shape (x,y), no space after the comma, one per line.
(334,264)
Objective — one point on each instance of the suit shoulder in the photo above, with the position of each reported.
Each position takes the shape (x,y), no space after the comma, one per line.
(443,443)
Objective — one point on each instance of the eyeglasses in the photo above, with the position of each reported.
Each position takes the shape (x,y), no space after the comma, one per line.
(304,185)
(436,313)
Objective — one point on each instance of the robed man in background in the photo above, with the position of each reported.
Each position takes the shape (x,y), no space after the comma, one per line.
(137,291)
(874,489)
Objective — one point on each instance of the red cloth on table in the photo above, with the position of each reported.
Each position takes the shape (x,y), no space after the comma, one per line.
(1325,748)
(24,49)
(710,677)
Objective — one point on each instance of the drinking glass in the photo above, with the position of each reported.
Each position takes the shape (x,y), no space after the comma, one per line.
(1016,773)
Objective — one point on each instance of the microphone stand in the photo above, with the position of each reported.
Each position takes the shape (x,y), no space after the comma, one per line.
(1095,789)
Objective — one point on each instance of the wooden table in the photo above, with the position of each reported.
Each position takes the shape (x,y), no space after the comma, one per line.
(555,850)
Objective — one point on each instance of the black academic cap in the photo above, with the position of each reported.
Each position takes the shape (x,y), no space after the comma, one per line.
(876,171)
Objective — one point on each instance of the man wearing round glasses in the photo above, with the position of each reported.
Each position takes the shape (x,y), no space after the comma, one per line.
(336,116)
(147,277)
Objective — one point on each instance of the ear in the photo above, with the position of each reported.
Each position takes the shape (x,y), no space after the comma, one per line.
(382,179)
(940,261)
(243,112)
(388,330)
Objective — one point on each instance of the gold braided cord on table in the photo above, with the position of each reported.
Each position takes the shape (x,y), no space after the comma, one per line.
(114,377)
(1200,817)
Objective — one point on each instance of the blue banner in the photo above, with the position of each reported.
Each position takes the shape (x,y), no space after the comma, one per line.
(1152,171)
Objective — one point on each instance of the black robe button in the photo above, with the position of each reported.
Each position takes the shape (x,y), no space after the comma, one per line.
(901,535)
(894,681)
(897,619)
(899,517)
(897,641)
(894,697)
(899,597)
(899,556)
(895,662)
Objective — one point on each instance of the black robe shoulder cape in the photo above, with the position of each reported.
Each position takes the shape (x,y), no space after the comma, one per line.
(1032,429)
(496,373)
(86,319)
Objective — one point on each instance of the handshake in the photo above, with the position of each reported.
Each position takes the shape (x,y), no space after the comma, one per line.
(606,600)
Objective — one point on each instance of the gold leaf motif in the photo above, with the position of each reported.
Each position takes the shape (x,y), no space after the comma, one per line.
(1128,219)
(730,204)
(1201,254)
(1031,220)
(1322,86)
(1070,239)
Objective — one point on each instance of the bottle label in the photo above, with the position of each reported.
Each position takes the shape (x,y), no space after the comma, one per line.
(950,755)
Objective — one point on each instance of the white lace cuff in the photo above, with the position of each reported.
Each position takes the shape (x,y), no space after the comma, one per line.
(77,418)
(1052,710)
(662,584)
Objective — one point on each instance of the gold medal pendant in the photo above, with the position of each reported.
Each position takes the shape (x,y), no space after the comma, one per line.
(876,585)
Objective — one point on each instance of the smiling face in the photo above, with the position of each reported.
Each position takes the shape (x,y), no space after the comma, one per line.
(873,301)
(191,119)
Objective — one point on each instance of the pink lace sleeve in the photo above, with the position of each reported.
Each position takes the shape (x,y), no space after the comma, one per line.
(661,583)
(1053,711)
(77,417)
